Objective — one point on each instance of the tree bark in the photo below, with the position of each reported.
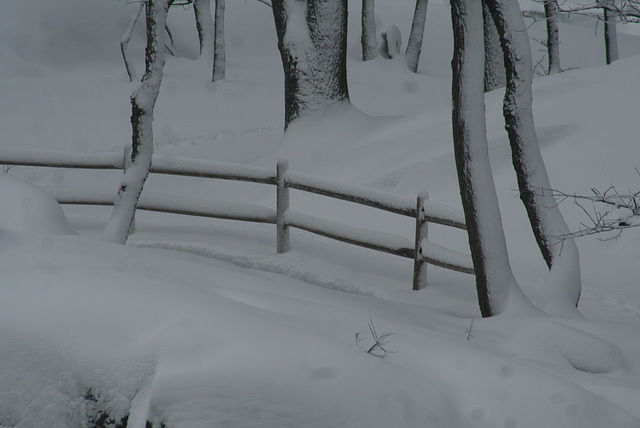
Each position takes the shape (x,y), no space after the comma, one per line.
(414,44)
(547,222)
(553,40)
(495,75)
(142,104)
(312,39)
(219,54)
(369,39)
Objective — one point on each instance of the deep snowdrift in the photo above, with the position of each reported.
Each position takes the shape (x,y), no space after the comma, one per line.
(224,332)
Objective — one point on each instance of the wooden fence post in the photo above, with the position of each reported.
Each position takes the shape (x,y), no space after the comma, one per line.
(282,205)
(422,231)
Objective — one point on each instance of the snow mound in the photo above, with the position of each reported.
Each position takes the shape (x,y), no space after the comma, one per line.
(552,342)
(28,212)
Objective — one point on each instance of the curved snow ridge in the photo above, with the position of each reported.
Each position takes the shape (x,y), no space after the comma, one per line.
(582,350)
(262,264)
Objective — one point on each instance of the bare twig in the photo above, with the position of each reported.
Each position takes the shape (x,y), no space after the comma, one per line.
(611,211)
(381,340)
(468,330)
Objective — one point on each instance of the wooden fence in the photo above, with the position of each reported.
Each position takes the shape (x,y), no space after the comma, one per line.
(421,209)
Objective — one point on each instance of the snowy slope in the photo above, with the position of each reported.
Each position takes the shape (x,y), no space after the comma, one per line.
(200,323)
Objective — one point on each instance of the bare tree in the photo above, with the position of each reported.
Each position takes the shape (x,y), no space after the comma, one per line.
(613,11)
(312,39)
(414,44)
(495,282)
(219,54)
(553,39)
(142,104)
(124,42)
(546,220)
(369,38)
(610,36)
(204,26)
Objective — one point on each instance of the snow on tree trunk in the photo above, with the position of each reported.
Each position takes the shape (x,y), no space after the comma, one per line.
(495,75)
(610,36)
(219,55)
(414,44)
(495,282)
(312,39)
(553,41)
(548,225)
(369,39)
(204,25)
(142,103)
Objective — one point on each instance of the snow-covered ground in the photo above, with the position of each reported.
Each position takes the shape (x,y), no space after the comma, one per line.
(199,323)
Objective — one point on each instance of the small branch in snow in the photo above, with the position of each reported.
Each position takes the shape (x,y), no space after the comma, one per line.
(470,329)
(378,349)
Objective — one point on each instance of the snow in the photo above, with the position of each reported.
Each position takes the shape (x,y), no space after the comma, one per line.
(199,322)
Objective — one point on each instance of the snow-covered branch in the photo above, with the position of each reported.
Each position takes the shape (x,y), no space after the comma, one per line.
(610,211)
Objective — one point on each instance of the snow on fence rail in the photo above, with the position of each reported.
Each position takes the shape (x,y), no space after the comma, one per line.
(422,210)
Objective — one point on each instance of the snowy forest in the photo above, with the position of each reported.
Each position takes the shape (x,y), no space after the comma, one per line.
(319,213)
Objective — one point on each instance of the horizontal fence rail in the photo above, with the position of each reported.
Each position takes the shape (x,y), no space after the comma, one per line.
(422,210)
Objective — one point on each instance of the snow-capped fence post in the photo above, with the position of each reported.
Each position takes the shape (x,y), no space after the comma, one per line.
(282,205)
(422,231)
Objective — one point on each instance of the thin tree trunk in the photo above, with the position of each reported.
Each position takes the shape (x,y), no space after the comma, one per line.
(547,222)
(124,43)
(495,75)
(553,40)
(494,278)
(414,44)
(369,39)
(312,39)
(204,25)
(219,55)
(610,37)
(142,104)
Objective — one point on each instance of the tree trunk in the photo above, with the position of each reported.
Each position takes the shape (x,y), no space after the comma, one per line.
(547,222)
(369,38)
(495,75)
(142,104)
(204,25)
(610,36)
(553,40)
(219,55)
(312,39)
(494,278)
(414,44)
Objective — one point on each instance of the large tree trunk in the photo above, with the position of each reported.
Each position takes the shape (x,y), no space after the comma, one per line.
(495,282)
(553,40)
(547,222)
(142,105)
(610,36)
(495,75)
(219,55)
(369,38)
(312,39)
(414,44)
